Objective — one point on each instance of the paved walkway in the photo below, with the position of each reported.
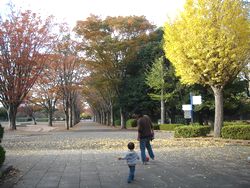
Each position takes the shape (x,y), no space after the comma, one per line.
(81,158)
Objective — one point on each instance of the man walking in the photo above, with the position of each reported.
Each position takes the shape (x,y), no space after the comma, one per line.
(145,134)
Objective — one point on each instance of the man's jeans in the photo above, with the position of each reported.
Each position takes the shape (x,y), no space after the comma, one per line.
(145,143)
(131,173)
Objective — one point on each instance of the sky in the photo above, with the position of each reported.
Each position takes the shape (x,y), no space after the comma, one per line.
(156,11)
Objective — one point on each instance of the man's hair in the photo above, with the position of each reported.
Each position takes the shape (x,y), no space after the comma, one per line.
(131,145)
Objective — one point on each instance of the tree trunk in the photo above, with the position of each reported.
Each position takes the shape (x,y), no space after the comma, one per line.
(67,121)
(108,118)
(122,119)
(50,112)
(105,118)
(95,116)
(12,111)
(112,116)
(77,117)
(102,116)
(74,115)
(98,116)
(50,116)
(67,115)
(218,119)
(70,117)
(162,107)
(34,119)
(70,111)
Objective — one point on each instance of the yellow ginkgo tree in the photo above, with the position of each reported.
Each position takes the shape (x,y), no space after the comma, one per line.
(209,44)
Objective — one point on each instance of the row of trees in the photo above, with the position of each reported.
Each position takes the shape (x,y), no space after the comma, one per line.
(110,45)
(38,64)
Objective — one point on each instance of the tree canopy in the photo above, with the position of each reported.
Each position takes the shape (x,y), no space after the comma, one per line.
(25,42)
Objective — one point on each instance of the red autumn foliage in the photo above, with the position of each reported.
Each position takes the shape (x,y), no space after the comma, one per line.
(25,42)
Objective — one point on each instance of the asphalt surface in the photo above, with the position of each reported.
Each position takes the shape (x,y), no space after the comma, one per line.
(86,156)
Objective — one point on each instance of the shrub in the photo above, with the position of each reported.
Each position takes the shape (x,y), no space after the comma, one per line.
(179,119)
(85,116)
(169,127)
(195,124)
(117,122)
(42,119)
(191,131)
(156,127)
(23,119)
(3,114)
(1,132)
(131,123)
(229,123)
(2,155)
(236,132)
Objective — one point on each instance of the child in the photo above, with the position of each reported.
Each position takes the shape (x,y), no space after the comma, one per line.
(131,158)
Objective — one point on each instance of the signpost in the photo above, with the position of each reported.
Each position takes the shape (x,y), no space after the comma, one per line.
(188,108)
(187,114)
(196,99)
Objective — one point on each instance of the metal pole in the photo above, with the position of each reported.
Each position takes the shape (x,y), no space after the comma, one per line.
(191,103)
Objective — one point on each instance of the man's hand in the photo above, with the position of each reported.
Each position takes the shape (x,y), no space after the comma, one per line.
(138,136)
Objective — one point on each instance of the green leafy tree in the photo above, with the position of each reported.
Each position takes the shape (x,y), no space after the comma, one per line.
(209,44)
(134,92)
(155,78)
(237,103)
(133,89)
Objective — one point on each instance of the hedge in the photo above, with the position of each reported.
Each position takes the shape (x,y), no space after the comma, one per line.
(117,122)
(2,155)
(230,123)
(23,119)
(1,132)
(42,119)
(169,127)
(131,123)
(236,132)
(2,151)
(156,127)
(191,131)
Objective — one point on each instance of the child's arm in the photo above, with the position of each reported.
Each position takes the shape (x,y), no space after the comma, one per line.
(122,158)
